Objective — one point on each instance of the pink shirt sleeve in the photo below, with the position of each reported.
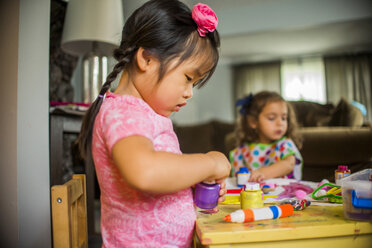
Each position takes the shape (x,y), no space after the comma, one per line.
(119,123)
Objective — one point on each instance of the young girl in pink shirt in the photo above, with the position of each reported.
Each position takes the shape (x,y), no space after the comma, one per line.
(145,180)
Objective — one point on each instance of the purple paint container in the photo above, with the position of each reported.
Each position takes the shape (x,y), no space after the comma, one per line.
(206,195)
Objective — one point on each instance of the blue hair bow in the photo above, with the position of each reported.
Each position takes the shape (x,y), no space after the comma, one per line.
(244,103)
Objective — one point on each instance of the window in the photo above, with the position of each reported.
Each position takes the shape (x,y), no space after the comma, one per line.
(303,79)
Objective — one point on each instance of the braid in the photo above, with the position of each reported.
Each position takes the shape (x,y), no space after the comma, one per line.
(85,137)
(112,76)
(124,57)
(120,54)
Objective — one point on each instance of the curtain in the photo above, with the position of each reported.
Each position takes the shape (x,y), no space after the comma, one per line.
(253,78)
(350,77)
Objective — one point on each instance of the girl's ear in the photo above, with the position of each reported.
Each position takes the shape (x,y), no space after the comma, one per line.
(143,59)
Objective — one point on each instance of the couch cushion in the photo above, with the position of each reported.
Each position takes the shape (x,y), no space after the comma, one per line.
(221,129)
(202,138)
(345,114)
(317,173)
(336,145)
(195,138)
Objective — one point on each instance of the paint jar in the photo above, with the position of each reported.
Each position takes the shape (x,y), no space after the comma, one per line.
(251,196)
(242,176)
(207,194)
(341,172)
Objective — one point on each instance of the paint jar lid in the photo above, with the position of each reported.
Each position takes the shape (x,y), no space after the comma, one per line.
(342,168)
(243,170)
(252,186)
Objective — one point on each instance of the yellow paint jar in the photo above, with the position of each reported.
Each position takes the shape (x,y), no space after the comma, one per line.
(251,196)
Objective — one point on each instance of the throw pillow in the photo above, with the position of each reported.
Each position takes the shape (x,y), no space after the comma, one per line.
(311,114)
(346,114)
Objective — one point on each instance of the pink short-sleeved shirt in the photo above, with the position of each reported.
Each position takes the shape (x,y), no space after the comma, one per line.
(130,218)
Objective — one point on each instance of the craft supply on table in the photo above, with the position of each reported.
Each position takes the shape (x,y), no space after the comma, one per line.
(325,187)
(242,176)
(231,199)
(234,191)
(235,199)
(333,195)
(291,189)
(300,194)
(207,194)
(251,196)
(264,213)
(341,172)
(283,188)
(323,182)
(297,204)
(266,188)
(357,196)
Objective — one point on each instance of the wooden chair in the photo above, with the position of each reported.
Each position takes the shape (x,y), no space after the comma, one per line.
(69,213)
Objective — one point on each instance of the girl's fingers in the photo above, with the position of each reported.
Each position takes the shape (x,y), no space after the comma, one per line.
(214,210)
(221,182)
(252,178)
(222,192)
(221,199)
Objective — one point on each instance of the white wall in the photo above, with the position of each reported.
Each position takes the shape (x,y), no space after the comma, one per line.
(33,124)
(211,102)
(24,177)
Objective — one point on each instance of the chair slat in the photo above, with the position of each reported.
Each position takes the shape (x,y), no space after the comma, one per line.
(69,213)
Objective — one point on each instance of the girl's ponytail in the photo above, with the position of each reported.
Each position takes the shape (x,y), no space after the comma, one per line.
(85,137)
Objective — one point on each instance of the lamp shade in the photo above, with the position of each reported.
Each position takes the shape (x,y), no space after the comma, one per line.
(92,25)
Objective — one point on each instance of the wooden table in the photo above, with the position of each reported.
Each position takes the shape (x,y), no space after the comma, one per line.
(316,226)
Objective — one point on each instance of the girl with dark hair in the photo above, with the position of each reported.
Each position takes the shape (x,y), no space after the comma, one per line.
(267,138)
(145,180)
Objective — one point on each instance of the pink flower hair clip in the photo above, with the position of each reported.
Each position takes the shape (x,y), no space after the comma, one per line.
(205,18)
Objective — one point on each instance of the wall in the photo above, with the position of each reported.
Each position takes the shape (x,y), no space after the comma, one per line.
(9,14)
(212,102)
(24,177)
(33,124)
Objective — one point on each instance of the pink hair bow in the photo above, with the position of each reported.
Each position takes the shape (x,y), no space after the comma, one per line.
(205,18)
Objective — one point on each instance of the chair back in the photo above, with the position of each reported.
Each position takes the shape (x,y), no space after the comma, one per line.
(69,213)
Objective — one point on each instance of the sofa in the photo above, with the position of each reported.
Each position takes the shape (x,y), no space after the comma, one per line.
(204,137)
(332,136)
(324,148)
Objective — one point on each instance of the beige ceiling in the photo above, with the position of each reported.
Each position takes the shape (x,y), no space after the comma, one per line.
(263,30)
(335,38)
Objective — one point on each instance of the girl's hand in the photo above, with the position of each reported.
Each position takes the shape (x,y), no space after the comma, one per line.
(222,171)
(222,166)
(222,189)
(221,193)
(257,176)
